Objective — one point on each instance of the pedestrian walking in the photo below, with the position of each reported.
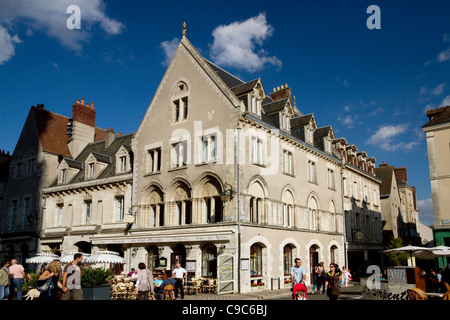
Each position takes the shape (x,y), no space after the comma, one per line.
(315,279)
(16,273)
(5,280)
(333,278)
(321,278)
(180,274)
(346,276)
(144,282)
(72,279)
(50,277)
(298,273)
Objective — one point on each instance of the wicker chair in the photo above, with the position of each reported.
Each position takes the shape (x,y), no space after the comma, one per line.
(168,292)
(416,294)
(197,285)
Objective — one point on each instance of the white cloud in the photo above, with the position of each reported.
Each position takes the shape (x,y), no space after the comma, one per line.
(426,213)
(50,17)
(444,56)
(445,102)
(235,44)
(7,45)
(385,135)
(348,121)
(439,89)
(169,48)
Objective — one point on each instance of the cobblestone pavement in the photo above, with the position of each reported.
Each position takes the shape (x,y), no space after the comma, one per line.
(352,292)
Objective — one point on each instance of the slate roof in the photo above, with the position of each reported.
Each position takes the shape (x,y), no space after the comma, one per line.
(107,155)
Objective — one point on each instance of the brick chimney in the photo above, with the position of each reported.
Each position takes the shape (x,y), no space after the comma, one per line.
(84,113)
(81,128)
(400,173)
(281,93)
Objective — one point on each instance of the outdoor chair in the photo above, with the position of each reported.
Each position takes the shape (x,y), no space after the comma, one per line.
(197,285)
(416,294)
(168,292)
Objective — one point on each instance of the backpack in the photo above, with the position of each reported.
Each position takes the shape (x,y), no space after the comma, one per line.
(46,286)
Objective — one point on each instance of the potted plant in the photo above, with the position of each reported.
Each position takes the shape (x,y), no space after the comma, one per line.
(95,283)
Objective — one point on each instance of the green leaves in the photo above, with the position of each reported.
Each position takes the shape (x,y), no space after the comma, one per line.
(95,277)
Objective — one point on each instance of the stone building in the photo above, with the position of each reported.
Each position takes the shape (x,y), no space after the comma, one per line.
(46,137)
(437,131)
(235,183)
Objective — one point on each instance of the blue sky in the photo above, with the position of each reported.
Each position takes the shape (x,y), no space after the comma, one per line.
(372,85)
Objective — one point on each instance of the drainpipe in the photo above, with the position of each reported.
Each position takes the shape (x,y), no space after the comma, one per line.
(239,206)
(343,213)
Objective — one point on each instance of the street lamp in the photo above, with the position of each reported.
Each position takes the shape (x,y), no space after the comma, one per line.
(227,194)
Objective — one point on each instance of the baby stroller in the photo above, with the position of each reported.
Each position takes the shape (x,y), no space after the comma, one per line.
(300,292)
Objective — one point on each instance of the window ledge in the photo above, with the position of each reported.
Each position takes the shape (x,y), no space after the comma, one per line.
(152,173)
(289,174)
(176,169)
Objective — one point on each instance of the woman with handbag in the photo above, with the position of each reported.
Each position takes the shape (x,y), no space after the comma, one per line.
(333,278)
(50,281)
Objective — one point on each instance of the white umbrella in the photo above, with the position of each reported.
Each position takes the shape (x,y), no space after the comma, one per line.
(70,257)
(105,257)
(42,258)
(410,249)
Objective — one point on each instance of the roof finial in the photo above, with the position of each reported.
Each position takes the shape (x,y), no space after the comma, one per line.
(184,29)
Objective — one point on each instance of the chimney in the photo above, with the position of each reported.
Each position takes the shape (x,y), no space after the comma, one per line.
(400,173)
(383,165)
(281,93)
(84,113)
(81,128)
(110,136)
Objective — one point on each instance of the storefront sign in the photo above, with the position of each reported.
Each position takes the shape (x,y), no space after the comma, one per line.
(387,291)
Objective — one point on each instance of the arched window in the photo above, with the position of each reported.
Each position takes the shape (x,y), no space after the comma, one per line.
(180,106)
(287,259)
(209,261)
(154,208)
(256,260)
(288,209)
(333,254)
(313,210)
(212,203)
(256,204)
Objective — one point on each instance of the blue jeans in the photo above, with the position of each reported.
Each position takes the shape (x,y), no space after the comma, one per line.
(18,283)
(4,292)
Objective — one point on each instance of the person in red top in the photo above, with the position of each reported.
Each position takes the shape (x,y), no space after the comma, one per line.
(16,272)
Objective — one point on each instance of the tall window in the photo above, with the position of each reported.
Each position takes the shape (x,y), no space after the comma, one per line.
(256,261)
(287,215)
(60,214)
(331,179)
(87,212)
(154,160)
(26,211)
(91,170)
(180,104)
(63,176)
(287,162)
(256,151)
(31,164)
(255,106)
(255,209)
(213,209)
(120,208)
(123,164)
(13,214)
(209,148)
(209,261)
(179,154)
(312,171)
(287,259)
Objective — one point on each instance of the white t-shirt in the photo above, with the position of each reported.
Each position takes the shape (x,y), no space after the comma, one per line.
(179,272)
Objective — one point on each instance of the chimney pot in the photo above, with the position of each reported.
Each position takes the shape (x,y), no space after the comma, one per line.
(82,101)
(78,100)
(92,104)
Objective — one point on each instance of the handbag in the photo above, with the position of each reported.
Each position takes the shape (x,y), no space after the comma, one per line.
(47,285)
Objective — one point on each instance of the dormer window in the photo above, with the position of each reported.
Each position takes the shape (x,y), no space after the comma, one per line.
(91,170)
(255,106)
(309,134)
(180,102)
(63,177)
(285,122)
(122,160)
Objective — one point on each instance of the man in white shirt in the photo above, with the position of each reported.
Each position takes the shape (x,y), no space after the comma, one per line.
(298,273)
(180,274)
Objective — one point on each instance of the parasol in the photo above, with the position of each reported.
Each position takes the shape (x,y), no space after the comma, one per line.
(410,249)
(42,258)
(105,257)
(69,257)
